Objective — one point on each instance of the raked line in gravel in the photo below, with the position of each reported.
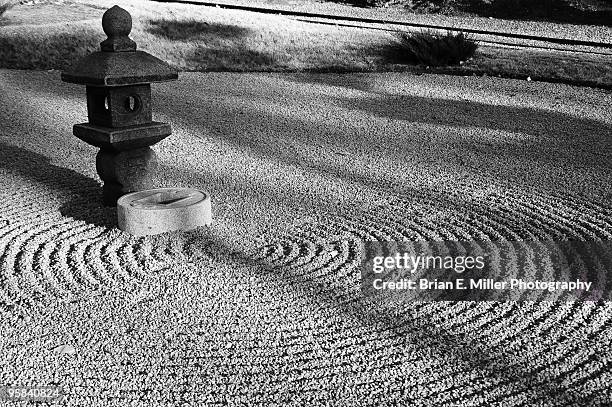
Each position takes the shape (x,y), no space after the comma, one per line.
(264,307)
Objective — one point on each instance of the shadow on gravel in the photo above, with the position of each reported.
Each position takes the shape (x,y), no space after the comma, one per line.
(479,372)
(547,126)
(553,136)
(85,193)
(491,370)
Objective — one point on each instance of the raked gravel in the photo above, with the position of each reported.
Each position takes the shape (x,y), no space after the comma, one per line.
(264,307)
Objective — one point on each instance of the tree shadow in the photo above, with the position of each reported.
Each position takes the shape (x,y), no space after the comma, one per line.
(455,348)
(509,144)
(556,11)
(549,131)
(38,50)
(219,47)
(459,351)
(548,127)
(85,194)
(189,30)
(239,58)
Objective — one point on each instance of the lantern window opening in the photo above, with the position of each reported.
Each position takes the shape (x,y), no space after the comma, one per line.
(133,103)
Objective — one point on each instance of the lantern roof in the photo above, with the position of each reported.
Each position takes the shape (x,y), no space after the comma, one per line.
(118,63)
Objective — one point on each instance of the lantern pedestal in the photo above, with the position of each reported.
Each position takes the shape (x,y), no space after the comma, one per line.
(125,161)
(125,171)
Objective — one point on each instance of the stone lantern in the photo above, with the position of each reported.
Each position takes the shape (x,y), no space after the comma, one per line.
(118,85)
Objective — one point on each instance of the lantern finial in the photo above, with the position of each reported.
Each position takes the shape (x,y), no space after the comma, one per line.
(117,24)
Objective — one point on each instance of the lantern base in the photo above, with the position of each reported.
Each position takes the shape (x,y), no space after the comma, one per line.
(122,138)
(124,172)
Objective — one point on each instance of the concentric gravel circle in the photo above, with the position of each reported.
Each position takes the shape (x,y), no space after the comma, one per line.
(332,243)
(44,254)
(561,368)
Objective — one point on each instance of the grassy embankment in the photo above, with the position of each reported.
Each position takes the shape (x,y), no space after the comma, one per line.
(52,35)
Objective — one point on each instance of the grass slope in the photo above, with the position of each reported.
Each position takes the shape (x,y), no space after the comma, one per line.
(195,38)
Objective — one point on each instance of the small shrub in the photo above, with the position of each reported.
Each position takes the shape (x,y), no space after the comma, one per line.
(434,49)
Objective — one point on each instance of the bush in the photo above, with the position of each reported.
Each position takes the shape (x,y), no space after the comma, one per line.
(434,49)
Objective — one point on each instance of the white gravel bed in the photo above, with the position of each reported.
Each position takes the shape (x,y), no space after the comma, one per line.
(264,307)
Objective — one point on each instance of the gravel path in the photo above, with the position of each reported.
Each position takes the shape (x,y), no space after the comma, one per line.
(264,307)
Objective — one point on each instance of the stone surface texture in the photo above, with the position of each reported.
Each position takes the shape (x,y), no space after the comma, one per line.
(163,210)
(117,25)
(119,106)
(125,171)
(122,138)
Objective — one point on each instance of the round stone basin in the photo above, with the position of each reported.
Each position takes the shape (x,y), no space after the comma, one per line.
(163,210)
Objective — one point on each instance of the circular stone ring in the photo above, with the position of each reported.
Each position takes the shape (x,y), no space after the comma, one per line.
(156,211)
